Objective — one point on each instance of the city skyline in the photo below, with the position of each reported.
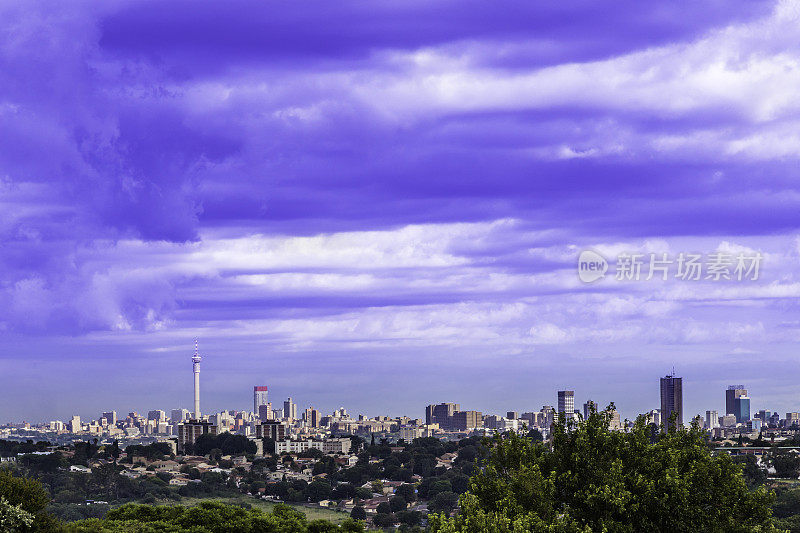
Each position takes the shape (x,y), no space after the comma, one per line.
(356,209)
(737,403)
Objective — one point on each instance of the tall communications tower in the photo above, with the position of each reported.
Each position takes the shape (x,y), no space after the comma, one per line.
(196,370)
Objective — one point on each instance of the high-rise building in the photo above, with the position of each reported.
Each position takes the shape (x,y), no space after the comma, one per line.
(196,372)
(512,415)
(111,417)
(178,415)
(566,403)
(271,429)
(311,417)
(289,409)
(741,409)
(615,424)
(733,392)
(588,407)
(158,415)
(671,401)
(441,414)
(189,431)
(548,416)
(764,415)
(712,419)
(259,397)
(265,412)
(75,424)
(466,420)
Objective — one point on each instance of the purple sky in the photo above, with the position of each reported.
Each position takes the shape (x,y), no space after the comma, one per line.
(381,205)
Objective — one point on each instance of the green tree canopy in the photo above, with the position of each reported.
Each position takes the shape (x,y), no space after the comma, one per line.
(594,479)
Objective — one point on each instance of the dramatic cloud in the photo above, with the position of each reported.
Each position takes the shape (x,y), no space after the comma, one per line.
(366,190)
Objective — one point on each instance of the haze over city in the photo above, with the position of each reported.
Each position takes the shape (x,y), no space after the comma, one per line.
(360,209)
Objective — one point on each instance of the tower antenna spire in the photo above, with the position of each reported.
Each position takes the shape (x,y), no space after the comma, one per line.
(196,372)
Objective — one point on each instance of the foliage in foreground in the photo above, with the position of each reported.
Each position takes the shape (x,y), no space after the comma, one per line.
(23,504)
(597,480)
(207,517)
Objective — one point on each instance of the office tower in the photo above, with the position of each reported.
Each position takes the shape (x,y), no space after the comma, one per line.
(566,403)
(671,401)
(189,431)
(548,414)
(259,398)
(741,409)
(733,392)
(712,419)
(57,425)
(654,417)
(441,414)
(265,412)
(289,409)
(271,429)
(196,371)
(512,415)
(615,424)
(111,417)
(466,420)
(588,407)
(764,415)
(75,424)
(158,415)
(311,417)
(179,415)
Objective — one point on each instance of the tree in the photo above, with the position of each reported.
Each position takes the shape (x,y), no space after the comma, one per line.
(318,490)
(407,492)
(384,508)
(786,464)
(13,517)
(594,479)
(28,496)
(443,502)
(754,475)
(383,520)
(358,513)
(114,451)
(397,504)
(410,518)
(363,493)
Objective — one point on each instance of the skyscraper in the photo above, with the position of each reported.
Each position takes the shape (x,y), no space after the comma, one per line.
(671,400)
(312,417)
(566,403)
(441,414)
(733,392)
(741,409)
(712,419)
(196,371)
(588,407)
(265,412)
(179,415)
(289,409)
(259,398)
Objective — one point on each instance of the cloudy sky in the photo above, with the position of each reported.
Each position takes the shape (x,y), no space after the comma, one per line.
(381,204)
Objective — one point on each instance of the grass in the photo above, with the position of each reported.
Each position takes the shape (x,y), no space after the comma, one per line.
(312,513)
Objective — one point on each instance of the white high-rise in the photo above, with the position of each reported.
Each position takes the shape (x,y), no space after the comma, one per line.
(260,397)
(196,371)
(566,403)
